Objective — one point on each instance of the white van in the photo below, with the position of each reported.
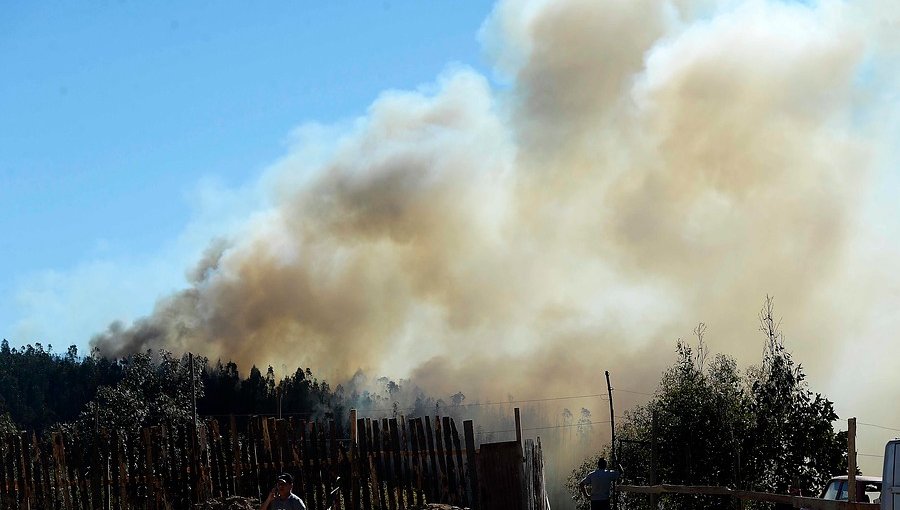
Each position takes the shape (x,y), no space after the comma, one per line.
(890,486)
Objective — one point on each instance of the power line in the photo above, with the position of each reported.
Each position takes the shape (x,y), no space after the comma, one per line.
(877,426)
(633,391)
(549,427)
(476,404)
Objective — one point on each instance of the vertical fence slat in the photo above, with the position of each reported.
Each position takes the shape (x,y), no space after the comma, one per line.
(408,462)
(4,476)
(362,465)
(462,496)
(334,468)
(386,454)
(237,469)
(25,469)
(381,500)
(397,470)
(442,459)
(469,433)
(58,468)
(451,468)
(303,450)
(39,472)
(434,474)
(416,458)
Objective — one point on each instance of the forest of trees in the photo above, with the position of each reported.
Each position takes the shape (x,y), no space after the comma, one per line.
(41,389)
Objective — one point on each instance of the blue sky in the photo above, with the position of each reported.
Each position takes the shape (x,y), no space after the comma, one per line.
(119,117)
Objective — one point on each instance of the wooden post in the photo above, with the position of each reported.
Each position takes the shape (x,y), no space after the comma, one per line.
(460,466)
(612,423)
(451,468)
(851,460)
(354,439)
(469,433)
(653,431)
(436,472)
(416,459)
(518,428)
(362,466)
(612,433)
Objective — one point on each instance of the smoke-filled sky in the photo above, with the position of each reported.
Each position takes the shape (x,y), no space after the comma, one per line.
(612,173)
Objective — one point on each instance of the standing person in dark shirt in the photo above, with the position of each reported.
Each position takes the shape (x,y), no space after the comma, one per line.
(282,497)
(600,482)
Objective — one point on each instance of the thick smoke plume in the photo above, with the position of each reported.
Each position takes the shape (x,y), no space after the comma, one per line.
(640,166)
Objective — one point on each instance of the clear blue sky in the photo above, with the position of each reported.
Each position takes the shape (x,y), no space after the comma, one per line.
(113,112)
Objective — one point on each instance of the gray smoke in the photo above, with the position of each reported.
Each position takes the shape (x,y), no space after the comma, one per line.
(650,165)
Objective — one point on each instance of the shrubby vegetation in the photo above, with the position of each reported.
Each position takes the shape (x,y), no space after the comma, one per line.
(762,430)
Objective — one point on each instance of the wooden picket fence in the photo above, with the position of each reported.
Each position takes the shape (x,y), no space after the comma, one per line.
(395,464)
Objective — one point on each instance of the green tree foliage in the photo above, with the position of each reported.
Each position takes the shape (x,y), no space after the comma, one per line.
(759,431)
(154,389)
(39,387)
(792,437)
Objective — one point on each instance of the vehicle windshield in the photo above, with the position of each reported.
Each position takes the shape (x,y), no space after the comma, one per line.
(867,492)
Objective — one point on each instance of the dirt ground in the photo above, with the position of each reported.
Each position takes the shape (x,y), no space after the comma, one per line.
(239,503)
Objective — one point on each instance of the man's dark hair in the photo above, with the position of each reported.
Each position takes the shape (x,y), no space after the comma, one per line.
(601,463)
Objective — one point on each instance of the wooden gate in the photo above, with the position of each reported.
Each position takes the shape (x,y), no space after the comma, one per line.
(501,476)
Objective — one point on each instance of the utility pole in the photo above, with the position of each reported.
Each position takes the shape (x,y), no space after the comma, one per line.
(653,431)
(612,422)
(612,430)
(851,460)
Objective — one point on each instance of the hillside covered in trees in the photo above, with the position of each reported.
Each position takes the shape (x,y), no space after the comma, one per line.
(40,389)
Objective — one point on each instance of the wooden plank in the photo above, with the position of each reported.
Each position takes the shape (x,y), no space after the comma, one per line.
(216,466)
(61,467)
(434,472)
(6,489)
(463,496)
(306,486)
(154,463)
(452,486)
(42,462)
(528,486)
(316,465)
(361,479)
(236,464)
(543,500)
(388,456)
(408,463)
(282,445)
(253,460)
(416,461)
(122,463)
(442,460)
(15,488)
(377,471)
(334,469)
(500,476)
(165,470)
(75,453)
(396,459)
(24,470)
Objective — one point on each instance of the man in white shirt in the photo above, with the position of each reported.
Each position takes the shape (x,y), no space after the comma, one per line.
(600,482)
